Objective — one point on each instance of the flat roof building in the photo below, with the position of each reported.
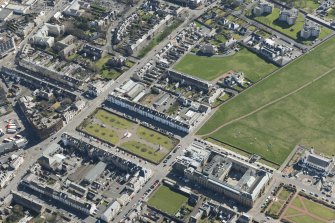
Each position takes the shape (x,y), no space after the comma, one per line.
(95,172)
(226,175)
(5,14)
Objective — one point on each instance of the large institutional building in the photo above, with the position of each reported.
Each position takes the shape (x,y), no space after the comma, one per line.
(225,175)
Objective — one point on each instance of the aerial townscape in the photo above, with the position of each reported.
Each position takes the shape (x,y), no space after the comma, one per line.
(167,111)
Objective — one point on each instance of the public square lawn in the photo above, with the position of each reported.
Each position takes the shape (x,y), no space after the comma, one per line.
(275,207)
(144,143)
(319,210)
(307,211)
(99,132)
(278,204)
(291,31)
(156,138)
(167,200)
(143,150)
(305,117)
(284,194)
(112,120)
(209,68)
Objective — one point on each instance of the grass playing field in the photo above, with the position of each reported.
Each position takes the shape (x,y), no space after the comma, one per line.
(291,31)
(291,107)
(167,200)
(304,210)
(209,68)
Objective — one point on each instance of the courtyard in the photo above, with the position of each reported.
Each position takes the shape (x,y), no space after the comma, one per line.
(167,200)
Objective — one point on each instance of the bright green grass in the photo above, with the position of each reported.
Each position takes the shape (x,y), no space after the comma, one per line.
(144,151)
(291,31)
(112,120)
(331,14)
(304,219)
(275,207)
(271,21)
(305,117)
(110,74)
(319,210)
(284,194)
(209,68)
(104,134)
(297,203)
(308,5)
(101,62)
(167,200)
(155,138)
(291,211)
(324,33)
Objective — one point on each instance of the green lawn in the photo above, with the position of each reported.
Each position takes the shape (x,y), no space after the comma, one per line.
(167,200)
(296,202)
(101,62)
(144,151)
(308,5)
(313,208)
(112,120)
(305,117)
(304,219)
(110,74)
(271,21)
(291,211)
(155,138)
(209,68)
(104,134)
(275,207)
(319,210)
(331,14)
(281,199)
(284,194)
(291,31)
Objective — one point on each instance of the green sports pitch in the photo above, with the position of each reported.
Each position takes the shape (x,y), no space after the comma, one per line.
(209,68)
(293,106)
